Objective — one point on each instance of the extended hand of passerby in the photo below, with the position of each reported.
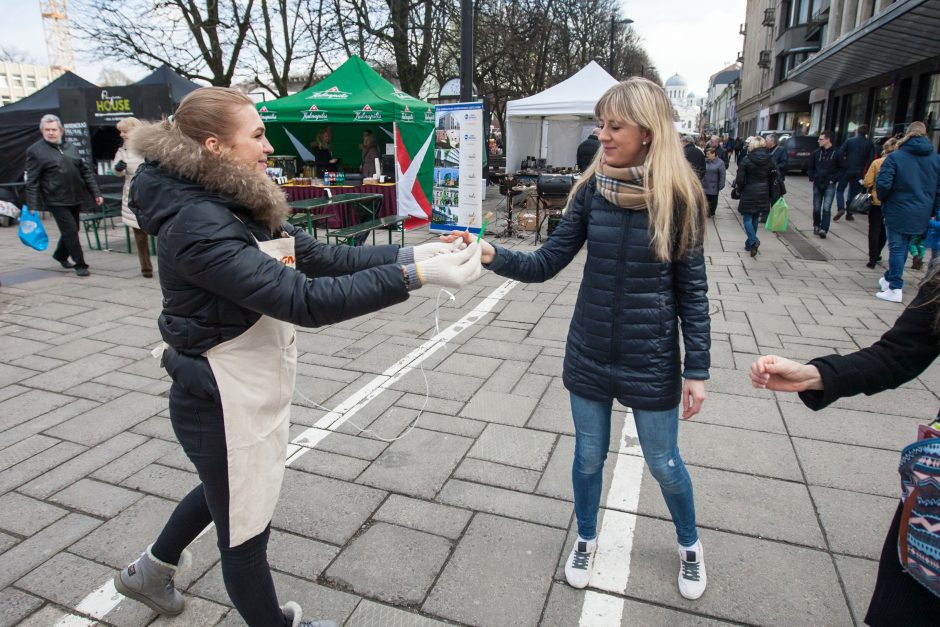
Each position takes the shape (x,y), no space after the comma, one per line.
(784,375)
(693,395)
(452,269)
(487,251)
(424,252)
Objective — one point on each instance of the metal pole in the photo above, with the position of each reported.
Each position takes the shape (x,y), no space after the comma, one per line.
(466,50)
(610,59)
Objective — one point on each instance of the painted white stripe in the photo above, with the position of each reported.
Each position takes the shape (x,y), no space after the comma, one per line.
(601,610)
(103,600)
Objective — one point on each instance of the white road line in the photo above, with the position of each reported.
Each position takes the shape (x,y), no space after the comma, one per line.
(103,600)
(600,610)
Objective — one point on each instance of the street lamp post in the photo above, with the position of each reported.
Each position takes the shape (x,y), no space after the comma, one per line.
(613,22)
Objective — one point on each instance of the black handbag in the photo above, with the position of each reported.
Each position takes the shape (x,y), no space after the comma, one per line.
(861,203)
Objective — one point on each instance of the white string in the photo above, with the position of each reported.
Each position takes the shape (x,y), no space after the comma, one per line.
(427,386)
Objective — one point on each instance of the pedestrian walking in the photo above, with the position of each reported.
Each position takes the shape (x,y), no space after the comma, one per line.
(753,183)
(903,352)
(779,154)
(876,223)
(125,164)
(587,150)
(714,180)
(640,210)
(236,277)
(856,153)
(825,171)
(694,155)
(57,179)
(908,185)
(739,145)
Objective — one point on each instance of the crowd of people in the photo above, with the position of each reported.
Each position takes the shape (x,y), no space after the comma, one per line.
(236,277)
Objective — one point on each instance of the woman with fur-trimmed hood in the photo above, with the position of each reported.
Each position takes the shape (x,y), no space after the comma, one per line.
(236,277)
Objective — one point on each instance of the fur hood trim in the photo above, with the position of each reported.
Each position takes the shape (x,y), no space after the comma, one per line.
(185,158)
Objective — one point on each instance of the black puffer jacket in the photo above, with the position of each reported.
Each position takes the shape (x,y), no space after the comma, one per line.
(57,176)
(216,282)
(753,181)
(623,341)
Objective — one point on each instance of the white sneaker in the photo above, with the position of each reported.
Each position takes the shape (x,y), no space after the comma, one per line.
(579,564)
(692,579)
(893,296)
(883,283)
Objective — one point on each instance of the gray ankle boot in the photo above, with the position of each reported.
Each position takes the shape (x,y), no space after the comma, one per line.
(150,581)
(294,614)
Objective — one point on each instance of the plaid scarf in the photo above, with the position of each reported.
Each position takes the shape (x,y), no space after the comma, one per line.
(622,186)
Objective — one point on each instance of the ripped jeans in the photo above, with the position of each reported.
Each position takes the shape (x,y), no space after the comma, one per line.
(658,433)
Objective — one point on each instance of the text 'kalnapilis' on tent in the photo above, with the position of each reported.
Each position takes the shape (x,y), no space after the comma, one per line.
(551,124)
(352,99)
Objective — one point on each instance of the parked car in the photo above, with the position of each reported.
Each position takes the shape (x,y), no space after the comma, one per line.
(800,151)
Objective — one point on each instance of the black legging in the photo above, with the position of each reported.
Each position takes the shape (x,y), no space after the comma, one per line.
(66,218)
(199,427)
(876,233)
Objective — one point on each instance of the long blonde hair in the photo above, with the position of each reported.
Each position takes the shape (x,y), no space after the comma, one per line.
(674,193)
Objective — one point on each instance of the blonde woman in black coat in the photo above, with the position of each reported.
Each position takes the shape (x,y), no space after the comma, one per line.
(753,183)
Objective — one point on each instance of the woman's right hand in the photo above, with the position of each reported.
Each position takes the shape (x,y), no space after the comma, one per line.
(487,250)
(784,375)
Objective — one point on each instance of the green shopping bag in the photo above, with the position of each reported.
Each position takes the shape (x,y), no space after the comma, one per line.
(778,217)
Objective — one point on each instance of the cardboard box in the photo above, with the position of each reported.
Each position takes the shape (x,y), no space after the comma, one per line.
(526,220)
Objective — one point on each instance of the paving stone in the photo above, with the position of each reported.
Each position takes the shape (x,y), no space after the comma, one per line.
(196,613)
(159,480)
(450,424)
(432,404)
(390,424)
(848,426)
(871,471)
(42,421)
(510,409)
(485,586)
(471,365)
(529,507)
(15,606)
(157,427)
(371,614)
(858,575)
(746,412)
(324,509)
(25,516)
(423,516)
(553,412)
(499,475)
(76,372)
(41,546)
(97,391)
(442,385)
(76,349)
(64,579)
(733,382)
(532,385)
(6,541)
(177,458)
(513,446)
(71,471)
(849,533)
(522,312)
(48,615)
(391,564)
(299,556)
(500,350)
(738,450)
(330,465)
(740,588)
(109,419)
(121,539)
(417,465)
(24,449)
(29,405)
(134,460)
(548,365)
(38,464)
(94,497)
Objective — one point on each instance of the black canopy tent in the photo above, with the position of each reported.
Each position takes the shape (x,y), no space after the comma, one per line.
(163,75)
(19,123)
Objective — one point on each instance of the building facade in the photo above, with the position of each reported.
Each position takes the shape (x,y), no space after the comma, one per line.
(687,107)
(18,80)
(720,113)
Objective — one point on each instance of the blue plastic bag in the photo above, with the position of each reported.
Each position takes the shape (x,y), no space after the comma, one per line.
(32,232)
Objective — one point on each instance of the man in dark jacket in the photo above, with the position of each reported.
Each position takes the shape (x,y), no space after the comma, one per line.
(587,150)
(56,181)
(738,149)
(779,154)
(856,154)
(825,171)
(694,156)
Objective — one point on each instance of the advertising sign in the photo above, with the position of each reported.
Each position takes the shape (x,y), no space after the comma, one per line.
(458,167)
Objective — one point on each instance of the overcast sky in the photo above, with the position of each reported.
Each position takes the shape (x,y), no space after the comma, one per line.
(695,38)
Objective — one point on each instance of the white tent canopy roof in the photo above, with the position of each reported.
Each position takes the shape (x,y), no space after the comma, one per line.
(552,123)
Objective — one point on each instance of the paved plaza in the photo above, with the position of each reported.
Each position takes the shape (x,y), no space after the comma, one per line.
(467,517)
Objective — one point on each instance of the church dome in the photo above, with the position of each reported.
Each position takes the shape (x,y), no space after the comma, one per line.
(676,81)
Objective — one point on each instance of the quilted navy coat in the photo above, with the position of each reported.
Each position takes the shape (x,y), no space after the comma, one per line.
(623,341)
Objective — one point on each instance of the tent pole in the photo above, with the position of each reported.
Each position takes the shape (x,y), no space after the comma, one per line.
(466,50)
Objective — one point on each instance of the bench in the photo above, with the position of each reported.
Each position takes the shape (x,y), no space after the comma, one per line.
(91,221)
(349,235)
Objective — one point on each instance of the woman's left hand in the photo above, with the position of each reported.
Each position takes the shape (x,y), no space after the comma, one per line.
(693,395)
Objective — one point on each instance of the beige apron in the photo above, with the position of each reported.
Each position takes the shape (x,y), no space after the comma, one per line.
(255,373)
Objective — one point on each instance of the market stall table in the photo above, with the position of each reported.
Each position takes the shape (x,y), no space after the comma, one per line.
(389,205)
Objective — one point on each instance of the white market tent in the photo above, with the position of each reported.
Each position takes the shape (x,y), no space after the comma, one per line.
(552,123)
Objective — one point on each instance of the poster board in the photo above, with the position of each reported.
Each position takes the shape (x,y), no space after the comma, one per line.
(458,168)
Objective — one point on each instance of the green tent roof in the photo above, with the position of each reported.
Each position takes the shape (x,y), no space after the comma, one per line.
(354,92)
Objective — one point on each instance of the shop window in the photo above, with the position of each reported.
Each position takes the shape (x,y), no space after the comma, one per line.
(798,12)
(815,125)
(16,81)
(3,81)
(31,82)
(932,106)
(854,115)
(882,119)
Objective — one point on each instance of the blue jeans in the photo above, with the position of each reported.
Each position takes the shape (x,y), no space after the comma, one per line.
(658,432)
(898,243)
(751,224)
(822,206)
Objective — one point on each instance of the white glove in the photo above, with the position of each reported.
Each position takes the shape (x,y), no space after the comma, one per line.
(426,251)
(452,270)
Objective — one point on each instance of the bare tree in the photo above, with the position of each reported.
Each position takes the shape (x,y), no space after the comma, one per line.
(111,77)
(198,40)
(15,55)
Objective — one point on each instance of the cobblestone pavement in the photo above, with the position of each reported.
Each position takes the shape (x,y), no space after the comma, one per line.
(468,517)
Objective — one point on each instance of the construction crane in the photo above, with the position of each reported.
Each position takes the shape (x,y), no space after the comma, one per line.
(55,23)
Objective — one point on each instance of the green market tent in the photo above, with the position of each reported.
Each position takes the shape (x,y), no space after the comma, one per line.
(352,99)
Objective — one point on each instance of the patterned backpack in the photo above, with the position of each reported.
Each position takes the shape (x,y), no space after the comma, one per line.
(919,534)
